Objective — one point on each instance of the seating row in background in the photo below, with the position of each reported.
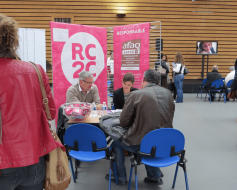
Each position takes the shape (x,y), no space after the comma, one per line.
(217,86)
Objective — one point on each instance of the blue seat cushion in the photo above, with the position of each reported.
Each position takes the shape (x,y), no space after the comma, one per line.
(87,156)
(160,161)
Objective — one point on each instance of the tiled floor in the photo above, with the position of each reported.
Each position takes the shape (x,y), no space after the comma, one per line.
(210,132)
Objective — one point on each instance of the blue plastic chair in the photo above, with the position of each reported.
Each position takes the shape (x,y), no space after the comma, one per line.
(217,86)
(87,143)
(160,148)
(201,87)
(113,108)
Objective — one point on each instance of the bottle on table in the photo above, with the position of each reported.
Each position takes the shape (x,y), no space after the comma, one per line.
(93,111)
(104,109)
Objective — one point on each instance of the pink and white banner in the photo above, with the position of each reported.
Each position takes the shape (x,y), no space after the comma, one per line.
(131,52)
(77,48)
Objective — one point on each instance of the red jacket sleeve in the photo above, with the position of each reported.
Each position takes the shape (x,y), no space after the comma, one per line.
(45,78)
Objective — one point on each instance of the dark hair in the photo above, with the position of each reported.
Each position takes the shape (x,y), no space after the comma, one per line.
(111,51)
(129,77)
(9,39)
(166,58)
(151,76)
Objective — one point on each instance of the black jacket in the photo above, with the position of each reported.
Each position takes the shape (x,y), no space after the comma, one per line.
(163,64)
(212,76)
(233,86)
(118,98)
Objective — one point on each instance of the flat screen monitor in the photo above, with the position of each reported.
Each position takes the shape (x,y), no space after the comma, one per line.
(206,47)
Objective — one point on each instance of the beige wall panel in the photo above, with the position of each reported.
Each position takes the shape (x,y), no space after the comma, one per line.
(183,23)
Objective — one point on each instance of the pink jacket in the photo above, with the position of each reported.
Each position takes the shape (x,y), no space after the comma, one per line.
(25,132)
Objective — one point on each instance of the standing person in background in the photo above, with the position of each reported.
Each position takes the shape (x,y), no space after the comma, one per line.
(121,94)
(178,76)
(165,58)
(24,132)
(233,86)
(163,65)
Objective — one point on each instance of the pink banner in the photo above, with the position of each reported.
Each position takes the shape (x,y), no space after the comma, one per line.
(131,52)
(77,48)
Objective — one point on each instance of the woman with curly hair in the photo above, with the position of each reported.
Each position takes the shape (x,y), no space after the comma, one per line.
(24,132)
(178,76)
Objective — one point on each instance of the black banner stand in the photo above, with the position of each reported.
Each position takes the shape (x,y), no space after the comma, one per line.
(203,65)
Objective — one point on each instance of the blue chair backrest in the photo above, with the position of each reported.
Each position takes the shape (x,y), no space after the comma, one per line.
(204,81)
(223,78)
(163,139)
(217,83)
(108,83)
(113,108)
(85,134)
(229,83)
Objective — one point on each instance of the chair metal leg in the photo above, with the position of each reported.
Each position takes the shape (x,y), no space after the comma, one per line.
(72,170)
(115,173)
(136,177)
(186,180)
(175,175)
(197,94)
(110,175)
(205,96)
(130,178)
(201,94)
(77,165)
(210,97)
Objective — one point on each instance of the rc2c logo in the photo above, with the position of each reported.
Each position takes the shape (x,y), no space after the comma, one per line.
(82,52)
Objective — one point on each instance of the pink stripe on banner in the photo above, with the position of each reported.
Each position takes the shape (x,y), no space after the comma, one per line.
(131,52)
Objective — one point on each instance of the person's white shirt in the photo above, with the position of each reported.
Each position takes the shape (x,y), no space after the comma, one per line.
(229,77)
(110,62)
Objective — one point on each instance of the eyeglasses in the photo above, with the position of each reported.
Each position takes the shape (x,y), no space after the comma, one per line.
(88,82)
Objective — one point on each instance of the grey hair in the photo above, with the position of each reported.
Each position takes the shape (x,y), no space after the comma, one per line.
(151,76)
(232,68)
(215,67)
(85,74)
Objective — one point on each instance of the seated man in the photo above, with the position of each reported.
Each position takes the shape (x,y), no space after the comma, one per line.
(231,75)
(212,76)
(84,90)
(145,110)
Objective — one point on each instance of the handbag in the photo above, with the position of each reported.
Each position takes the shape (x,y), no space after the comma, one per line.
(232,94)
(57,176)
(161,70)
(186,71)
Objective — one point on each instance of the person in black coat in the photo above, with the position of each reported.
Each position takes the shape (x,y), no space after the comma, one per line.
(120,95)
(163,65)
(212,76)
(233,86)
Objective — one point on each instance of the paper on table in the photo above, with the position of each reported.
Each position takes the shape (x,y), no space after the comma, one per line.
(117,110)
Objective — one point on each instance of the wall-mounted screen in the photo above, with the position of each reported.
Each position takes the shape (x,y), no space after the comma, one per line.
(206,47)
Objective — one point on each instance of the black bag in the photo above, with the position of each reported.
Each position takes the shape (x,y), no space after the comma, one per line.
(186,71)
(110,124)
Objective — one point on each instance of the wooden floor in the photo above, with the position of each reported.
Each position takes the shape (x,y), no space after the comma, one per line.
(210,132)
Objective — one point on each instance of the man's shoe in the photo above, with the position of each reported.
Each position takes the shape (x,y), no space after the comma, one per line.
(156,182)
(114,180)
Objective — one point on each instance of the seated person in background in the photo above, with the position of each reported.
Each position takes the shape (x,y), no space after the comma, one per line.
(84,90)
(212,76)
(121,94)
(231,75)
(205,47)
(145,110)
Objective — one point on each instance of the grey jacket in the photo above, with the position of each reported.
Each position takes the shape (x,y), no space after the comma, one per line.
(146,110)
